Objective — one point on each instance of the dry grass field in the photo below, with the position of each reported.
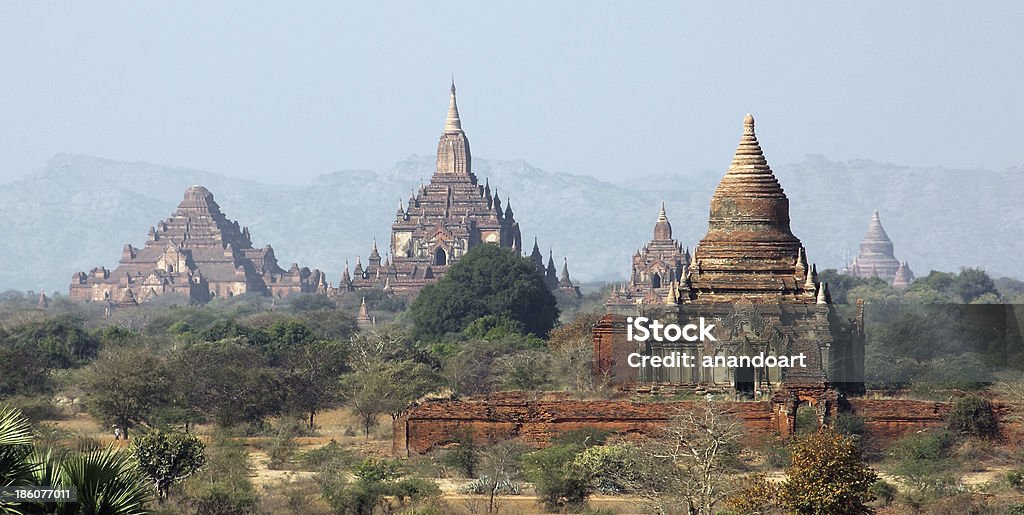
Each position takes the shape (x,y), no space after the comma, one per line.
(292,488)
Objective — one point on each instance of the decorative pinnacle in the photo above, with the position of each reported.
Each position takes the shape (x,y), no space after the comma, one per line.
(661,215)
(812,278)
(453,123)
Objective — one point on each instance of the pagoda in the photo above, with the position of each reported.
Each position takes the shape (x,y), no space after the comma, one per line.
(749,276)
(657,265)
(440,222)
(877,259)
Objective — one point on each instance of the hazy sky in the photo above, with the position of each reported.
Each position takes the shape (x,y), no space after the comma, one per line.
(283,93)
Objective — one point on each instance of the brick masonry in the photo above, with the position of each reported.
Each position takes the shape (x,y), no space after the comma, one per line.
(536,418)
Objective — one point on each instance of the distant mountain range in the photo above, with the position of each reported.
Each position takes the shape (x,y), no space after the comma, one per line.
(79,211)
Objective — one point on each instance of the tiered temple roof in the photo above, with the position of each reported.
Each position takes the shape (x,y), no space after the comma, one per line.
(440,222)
(750,276)
(749,252)
(197,253)
(657,265)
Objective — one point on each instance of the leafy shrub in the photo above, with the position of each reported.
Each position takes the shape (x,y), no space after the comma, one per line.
(218,501)
(613,467)
(559,484)
(464,457)
(37,407)
(806,420)
(1016,479)
(484,484)
(827,475)
(281,448)
(330,455)
(224,485)
(168,458)
(926,461)
(375,480)
(973,416)
(754,494)
(849,424)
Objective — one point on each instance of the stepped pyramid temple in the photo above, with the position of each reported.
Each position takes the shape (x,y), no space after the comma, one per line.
(198,254)
(750,275)
(441,222)
(659,264)
(876,258)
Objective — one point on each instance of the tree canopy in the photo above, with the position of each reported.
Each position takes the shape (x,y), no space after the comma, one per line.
(488,280)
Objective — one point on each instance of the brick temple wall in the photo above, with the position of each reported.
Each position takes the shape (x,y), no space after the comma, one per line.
(536,418)
(892,418)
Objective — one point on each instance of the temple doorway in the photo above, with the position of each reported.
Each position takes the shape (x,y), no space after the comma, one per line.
(744,381)
(440,258)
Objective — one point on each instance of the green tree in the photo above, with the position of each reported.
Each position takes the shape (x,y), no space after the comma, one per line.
(965,287)
(23,370)
(125,386)
(167,458)
(61,339)
(379,387)
(493,327)
(615,468)
(826,475)
(310,302)
(841,285)
(284,337)
(480,366)
(224,485)
(335,324)
(312,378)
(488,280)
(972,284)
(228,382)
(559,482)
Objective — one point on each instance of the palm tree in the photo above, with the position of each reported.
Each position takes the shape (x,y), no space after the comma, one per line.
(15,448)
(106,481)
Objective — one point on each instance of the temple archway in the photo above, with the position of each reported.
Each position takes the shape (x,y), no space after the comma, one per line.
(806,420)
(656,281)
(440,257)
